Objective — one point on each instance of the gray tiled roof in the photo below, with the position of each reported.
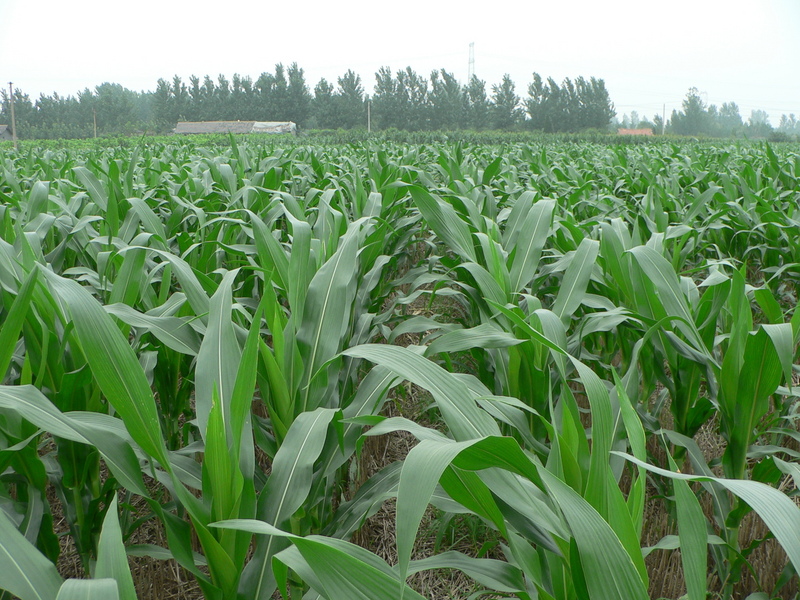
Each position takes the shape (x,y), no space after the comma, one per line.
(235,127)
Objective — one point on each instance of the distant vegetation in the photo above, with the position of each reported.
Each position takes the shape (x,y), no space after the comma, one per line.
(403,100)
(697,118)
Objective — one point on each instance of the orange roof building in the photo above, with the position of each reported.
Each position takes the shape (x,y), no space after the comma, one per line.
(646,131)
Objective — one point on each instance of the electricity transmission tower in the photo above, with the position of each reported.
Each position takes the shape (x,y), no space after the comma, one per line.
(471,68)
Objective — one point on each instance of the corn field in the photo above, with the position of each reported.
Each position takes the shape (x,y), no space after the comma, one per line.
(209,338)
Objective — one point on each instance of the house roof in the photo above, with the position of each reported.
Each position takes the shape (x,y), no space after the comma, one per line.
(189,127)
(646,131)
(5,132)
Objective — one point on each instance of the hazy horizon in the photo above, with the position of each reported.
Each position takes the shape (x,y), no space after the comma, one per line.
(741,51)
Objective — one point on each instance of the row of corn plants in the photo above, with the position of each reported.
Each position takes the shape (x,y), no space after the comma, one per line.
(212,330)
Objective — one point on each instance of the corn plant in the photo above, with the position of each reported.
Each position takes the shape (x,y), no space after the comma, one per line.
(201,320)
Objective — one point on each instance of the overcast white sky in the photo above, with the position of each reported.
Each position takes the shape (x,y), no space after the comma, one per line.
(649,53)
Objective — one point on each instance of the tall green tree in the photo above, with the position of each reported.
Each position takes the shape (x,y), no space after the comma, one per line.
(222,99)
(264,100)
(163,114)
(115,107)
(446,100)
(389,102)
(694,119)
(24,112)
(401,100)
(278,96)
(476,104)
(324,109)
(414,90)
(598,110)
(350,102)
(758,125)
(729,119)
(571,106)
(180,99)
(789,124)
(505,107)
(242,98)
(298,97)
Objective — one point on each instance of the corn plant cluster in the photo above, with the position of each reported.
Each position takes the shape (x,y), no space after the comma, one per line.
(205,337)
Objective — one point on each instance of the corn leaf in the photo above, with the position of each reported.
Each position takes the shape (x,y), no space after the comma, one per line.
(91,589)
(24,571)
(112,560)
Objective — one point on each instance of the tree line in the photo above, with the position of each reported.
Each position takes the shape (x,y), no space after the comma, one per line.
(402,100)
(698,118)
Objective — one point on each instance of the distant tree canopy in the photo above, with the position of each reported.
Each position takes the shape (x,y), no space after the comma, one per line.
(402,99)
(110,106)
(279,96)
(572,106)
(697,118)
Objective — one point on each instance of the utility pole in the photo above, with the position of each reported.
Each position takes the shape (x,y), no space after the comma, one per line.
(664,120)
(13,120)
(471,67)
(369,115)
(94,119)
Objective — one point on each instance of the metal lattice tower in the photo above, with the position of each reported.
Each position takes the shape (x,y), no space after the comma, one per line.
(471,68)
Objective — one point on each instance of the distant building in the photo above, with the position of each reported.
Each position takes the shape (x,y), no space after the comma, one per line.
(5,133)
(646,131)
(196,127)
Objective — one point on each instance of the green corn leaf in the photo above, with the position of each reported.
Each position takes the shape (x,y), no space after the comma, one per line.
(602,425)
(192,283)
(150,220)
(530,241)
(37,200)
(759,378)
(465,419)
(576,279)
(9,332)
(128,284)
(368,500)
(467,489)
(219,357)
(88,589)
(426,463)
(112,560)
(285,492)
(770,307)
(100,432)
(693,539)
(174,332)
(326,316)
(485,335)
(114,366)
(300,267)
(336,569)
(493,574)
(220,466)
(660,272)
(242,397)
(272,256)
(97,191)
(445,222)
(607,568)
(24,571)
(782,339)
(779,513)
